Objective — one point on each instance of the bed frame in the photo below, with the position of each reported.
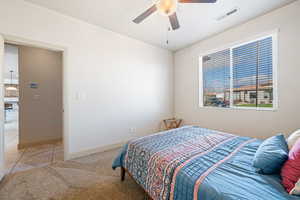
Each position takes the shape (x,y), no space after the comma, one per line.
(123,173)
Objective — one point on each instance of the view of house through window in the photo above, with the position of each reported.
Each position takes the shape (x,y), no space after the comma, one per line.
(216,79)
(240,76)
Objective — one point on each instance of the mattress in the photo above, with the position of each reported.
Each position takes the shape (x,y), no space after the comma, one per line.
(197,163)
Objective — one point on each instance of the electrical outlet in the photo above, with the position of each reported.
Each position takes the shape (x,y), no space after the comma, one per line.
(133,131)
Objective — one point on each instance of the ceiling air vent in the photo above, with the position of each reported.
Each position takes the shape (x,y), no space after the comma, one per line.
(231,12)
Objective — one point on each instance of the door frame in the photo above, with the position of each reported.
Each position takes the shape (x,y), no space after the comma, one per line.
(2,145)
(31,43)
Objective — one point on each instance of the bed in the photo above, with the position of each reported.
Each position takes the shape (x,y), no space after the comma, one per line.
(197,163)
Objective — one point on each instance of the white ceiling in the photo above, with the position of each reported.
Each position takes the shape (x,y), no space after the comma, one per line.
(197,21)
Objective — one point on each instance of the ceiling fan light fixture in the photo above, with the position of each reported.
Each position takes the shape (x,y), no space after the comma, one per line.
(166,7)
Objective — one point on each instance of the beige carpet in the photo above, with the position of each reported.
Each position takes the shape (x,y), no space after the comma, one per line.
(86,178)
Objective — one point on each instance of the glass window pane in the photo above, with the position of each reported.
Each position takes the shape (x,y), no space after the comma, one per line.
(253,74)
(216,79)
(265,73)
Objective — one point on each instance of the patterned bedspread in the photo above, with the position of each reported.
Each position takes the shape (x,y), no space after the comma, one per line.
(197,163)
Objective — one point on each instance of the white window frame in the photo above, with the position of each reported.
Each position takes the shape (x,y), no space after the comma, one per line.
(274,35)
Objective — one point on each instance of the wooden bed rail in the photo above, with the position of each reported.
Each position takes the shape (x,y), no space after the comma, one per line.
(123,172)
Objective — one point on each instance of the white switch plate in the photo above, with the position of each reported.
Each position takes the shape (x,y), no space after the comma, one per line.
(80,96)
(36,96)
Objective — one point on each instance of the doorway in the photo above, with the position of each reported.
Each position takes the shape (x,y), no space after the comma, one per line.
(11,102)
(33,107)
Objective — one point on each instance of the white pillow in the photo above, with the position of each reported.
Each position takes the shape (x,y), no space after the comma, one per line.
(296,189)
(293,138)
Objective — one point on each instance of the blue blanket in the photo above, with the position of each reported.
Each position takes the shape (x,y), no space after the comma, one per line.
(196,163)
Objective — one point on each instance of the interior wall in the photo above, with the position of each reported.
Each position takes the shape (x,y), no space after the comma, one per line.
(253,123)
(40,113)
(115,87)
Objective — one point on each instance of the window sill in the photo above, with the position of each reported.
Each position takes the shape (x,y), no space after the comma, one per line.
(239,108)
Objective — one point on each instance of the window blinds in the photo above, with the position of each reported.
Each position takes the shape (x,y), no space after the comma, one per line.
(216,79)
(253,74)
(241,76)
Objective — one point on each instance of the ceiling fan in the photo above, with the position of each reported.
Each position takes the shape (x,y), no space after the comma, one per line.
(167,8)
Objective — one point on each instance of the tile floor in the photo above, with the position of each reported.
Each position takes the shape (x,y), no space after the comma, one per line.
(39,156)
(40,173)
(28,158)
(11,131)
(87,178)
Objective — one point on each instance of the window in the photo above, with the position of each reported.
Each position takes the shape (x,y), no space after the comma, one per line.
(242,76)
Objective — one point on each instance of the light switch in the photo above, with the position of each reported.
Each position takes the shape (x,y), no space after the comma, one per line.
(77,96)
(80,96)
(36,96)
(83,96)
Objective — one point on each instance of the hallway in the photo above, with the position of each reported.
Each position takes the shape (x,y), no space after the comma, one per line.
(11,129)
(28,158)
(33,157)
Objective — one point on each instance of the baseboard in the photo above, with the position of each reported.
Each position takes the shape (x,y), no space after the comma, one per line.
(33,144)
(94,150)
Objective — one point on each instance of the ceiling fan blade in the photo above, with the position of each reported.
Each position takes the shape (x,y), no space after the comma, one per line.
(145,14)
(174,21)
(197,1)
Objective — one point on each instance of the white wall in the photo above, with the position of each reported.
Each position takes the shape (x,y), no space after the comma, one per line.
(121,82)
(246,122)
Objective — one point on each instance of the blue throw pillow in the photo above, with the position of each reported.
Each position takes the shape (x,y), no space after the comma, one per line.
(271,155)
